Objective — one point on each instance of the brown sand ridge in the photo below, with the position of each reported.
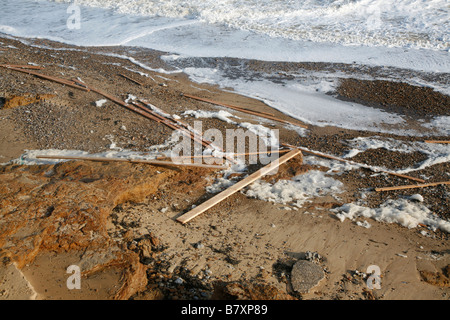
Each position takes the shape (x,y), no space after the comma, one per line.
(64,208)
(117,221)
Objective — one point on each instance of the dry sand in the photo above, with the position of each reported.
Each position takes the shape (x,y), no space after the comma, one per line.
(241,240)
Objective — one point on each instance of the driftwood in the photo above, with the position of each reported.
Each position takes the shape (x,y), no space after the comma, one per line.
(236,187)
(234,154)
(259,114)
(131,79)
(174,126)
(323,155)
(237,108)
(151,162)
(22,66)
(437,141)
(183,128)
(413,186)
(46,77)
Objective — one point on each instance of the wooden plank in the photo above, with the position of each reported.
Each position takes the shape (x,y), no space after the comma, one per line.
(131,79)
(22,66)
(227,105)
(236,187)
(323,155)
(437,141)
(235,154)
(413,186)
(151,162)
(259,114)
(183,129)
(46,77)
(175,126)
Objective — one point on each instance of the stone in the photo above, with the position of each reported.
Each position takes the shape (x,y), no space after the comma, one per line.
(306,275)
(199,245)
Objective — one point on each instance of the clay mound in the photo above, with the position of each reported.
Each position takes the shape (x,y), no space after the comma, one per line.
(64,208)
(17,101)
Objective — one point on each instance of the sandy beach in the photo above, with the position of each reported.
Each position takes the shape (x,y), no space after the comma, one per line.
(117,221)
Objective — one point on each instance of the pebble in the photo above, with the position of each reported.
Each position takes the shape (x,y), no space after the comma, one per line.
(199,245)
(416,197)
(179,281)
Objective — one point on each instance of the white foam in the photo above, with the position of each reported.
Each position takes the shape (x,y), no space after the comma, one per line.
(269,136)
(379,22)
(221,115)
(295,191)
(412,33)
(437,153)
(100,102)
(402,211)
(310,103)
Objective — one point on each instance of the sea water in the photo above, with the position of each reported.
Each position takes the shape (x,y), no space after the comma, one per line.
(406,34)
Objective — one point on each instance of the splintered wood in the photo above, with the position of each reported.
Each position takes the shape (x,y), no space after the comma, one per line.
(69,83)
(236,187)
(149,111)
(437,141)
(152,162)
(131,79)
(259,114)
(413,186)
(327,156)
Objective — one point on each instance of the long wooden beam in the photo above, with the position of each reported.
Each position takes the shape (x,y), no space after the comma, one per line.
(131,79)
(152,162)
(413,186)
(46,77)
(236,187)
(183,128)
(22,66)
(327,156)
(259,114)
(231,106)
(437,141)
(234,154)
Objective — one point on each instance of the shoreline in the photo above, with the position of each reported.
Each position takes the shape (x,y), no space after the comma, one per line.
(241,246)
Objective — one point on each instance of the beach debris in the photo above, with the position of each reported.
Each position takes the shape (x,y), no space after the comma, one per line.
(131,79)
(413,186)
(100,102)
(138,107)
(259,114)
(437,141)
(175,124)
(134,106)
(236,187)
(327,156)
(305,276)
(152,162)
(20,66)
(70,83)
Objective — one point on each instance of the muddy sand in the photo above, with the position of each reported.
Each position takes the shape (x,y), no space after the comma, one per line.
(117,221)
